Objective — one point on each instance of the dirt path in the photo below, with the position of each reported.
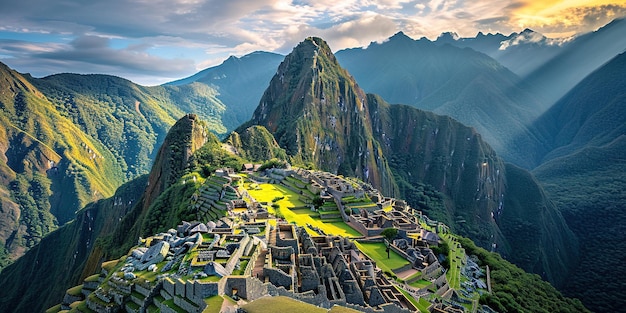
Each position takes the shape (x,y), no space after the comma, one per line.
(406,274)
(137,103)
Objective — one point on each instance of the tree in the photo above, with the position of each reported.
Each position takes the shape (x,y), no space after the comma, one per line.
(389,234)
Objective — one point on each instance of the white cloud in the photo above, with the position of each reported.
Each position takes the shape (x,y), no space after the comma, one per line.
(162,32)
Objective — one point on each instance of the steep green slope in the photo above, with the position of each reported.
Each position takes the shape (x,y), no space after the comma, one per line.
(590,189)
(60,260)
(584,175)
(50,166)
(485,198)
(516,291)
(184,138)
(256,144)
(70,139)
(318,114)
(77,249)
(462,83)
(589,115)
(321,117)
(131,120)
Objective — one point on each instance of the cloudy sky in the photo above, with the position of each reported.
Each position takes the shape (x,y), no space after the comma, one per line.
(154,41)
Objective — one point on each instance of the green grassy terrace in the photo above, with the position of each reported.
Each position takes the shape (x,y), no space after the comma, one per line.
(293,209)
(377,252)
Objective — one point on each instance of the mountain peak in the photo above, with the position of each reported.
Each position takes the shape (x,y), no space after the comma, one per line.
(399,36)
(319,115)
(448,36)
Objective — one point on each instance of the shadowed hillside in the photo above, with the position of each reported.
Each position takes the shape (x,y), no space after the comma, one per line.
(462,83)
(584,174)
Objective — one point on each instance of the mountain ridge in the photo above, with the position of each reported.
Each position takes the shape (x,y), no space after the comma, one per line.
(468,85)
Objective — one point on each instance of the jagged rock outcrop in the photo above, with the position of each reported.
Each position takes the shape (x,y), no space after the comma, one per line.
(185,137)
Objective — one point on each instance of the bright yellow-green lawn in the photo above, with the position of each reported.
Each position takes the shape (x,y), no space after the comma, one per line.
(301,217)
(378,253)
(281,304)
(214,304)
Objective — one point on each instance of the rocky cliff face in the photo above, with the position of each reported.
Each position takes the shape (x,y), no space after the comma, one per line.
(185,137)
(425,148)
(319,115)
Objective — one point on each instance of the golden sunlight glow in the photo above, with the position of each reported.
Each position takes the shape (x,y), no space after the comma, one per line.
(557,13)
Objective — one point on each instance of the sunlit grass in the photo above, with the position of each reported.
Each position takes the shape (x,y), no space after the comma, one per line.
(281,304)
(412,300)
(377,252)
(301,216)
(214,304)
(456,255)
(420,283)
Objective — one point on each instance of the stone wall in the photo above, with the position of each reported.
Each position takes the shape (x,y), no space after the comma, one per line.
(142,290)
(186,305)
(234,258)
(69,299)
(358,226)
(402,269)
(251,263)
(431,270)
(278,277)
(399,251)
(385,308)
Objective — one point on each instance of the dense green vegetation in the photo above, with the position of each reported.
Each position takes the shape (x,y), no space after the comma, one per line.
(256,144)
(31,195)
(584,175)
(590,191)
(62,256)
(514,290)
(97,131)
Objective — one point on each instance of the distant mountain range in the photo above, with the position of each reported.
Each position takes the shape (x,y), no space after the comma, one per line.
(462,83)
(554,107)
(238,82)
(551,66)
